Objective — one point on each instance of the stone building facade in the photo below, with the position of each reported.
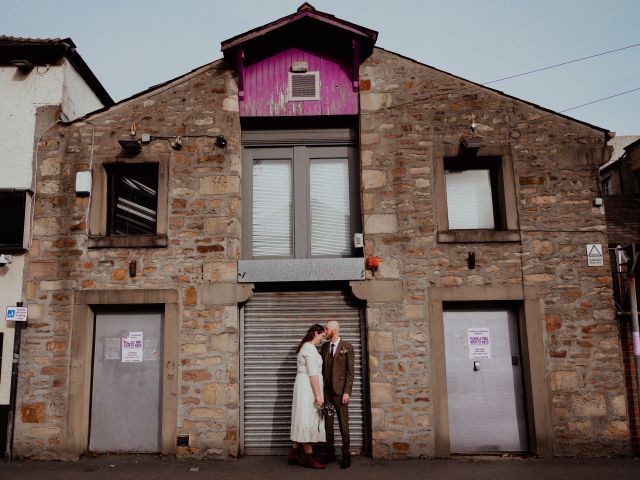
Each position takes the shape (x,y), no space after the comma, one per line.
(413,125)
(42,80)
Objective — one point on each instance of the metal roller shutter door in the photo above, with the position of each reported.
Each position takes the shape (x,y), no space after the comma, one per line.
(273,324)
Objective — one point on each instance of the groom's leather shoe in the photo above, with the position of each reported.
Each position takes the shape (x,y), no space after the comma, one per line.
(346,461)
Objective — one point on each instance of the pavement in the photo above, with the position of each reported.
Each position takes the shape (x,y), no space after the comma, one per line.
(143,467)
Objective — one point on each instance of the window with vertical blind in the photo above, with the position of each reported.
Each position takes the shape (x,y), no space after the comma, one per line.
(301,201)
(329,205)
(272,207)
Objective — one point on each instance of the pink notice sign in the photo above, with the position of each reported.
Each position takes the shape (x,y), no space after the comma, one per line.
(636,344)
(132,347)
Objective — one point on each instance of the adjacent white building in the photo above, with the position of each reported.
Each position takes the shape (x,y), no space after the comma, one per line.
(42,81)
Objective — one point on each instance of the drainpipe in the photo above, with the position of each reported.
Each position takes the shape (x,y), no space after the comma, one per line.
(634,329)
(622,260)
(11,420)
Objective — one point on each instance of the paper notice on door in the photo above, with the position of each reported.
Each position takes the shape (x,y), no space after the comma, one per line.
(112,348)
(132,350)
(479,343)
(636,343)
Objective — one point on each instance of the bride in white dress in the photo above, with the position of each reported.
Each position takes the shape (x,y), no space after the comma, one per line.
(307,426)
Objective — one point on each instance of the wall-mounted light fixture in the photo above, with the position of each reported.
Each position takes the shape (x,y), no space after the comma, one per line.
(4,260)
(177,143)
(221,141)
(130,146)
(24,66)
(473,142)
(471,260)
(300,67)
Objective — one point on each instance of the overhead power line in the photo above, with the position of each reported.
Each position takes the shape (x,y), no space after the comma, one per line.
(600,100)
(526,122)
(561,64)
(549,67)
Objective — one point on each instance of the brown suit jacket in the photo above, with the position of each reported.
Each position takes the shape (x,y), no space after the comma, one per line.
(339,373)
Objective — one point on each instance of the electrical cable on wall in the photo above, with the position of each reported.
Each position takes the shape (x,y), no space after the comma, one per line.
(35,181)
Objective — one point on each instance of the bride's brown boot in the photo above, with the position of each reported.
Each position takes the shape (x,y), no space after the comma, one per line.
(294,457)
(310,461)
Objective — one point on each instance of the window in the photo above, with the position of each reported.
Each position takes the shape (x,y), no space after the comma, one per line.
(475,195)
(301,201)
(472,194)
(607,185)
(129,202)
(133,198)
(15,208)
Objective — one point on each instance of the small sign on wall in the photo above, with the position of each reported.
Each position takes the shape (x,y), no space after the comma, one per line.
(16,314)
(595,257)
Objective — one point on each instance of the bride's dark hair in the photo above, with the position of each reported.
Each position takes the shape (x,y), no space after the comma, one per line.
(313,329)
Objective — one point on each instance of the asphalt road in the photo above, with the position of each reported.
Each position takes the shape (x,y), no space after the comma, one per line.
(142,467)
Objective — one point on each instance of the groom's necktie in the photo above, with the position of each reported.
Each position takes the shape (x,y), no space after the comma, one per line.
(332,347)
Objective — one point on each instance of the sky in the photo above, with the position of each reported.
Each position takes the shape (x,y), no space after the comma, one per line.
(132,45)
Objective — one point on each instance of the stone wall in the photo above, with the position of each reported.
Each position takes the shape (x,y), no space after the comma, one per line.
(204,244)
(410,112)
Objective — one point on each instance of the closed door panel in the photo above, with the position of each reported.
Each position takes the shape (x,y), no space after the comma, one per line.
(484,381)
(126,385)
(273,324)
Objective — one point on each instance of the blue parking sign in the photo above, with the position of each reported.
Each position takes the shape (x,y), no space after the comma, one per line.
(16,314)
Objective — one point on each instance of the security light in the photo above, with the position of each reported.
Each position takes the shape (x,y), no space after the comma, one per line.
(130,146)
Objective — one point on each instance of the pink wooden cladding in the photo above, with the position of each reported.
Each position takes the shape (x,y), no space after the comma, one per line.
(266,86)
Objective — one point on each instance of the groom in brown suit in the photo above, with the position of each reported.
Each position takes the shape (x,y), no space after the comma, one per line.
(337,375)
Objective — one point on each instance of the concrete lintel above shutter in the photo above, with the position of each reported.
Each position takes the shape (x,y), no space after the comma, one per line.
(225,293)
(378,291)
(300,270)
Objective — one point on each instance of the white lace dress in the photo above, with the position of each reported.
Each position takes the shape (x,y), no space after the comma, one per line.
(306,424)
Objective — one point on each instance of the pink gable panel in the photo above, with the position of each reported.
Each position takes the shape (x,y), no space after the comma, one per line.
(266,86)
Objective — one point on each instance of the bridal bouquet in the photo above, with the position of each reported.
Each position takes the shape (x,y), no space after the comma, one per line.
(327,410)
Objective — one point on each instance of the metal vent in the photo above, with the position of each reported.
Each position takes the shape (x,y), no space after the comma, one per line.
(304,86)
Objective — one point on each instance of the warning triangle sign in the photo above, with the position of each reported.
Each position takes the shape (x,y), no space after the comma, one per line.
(595,250)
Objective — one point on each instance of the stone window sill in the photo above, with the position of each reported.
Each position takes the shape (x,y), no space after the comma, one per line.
(301,270)
(129,241)
(478,236)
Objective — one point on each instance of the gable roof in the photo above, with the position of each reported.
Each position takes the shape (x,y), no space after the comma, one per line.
(51,50)
(306,19)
